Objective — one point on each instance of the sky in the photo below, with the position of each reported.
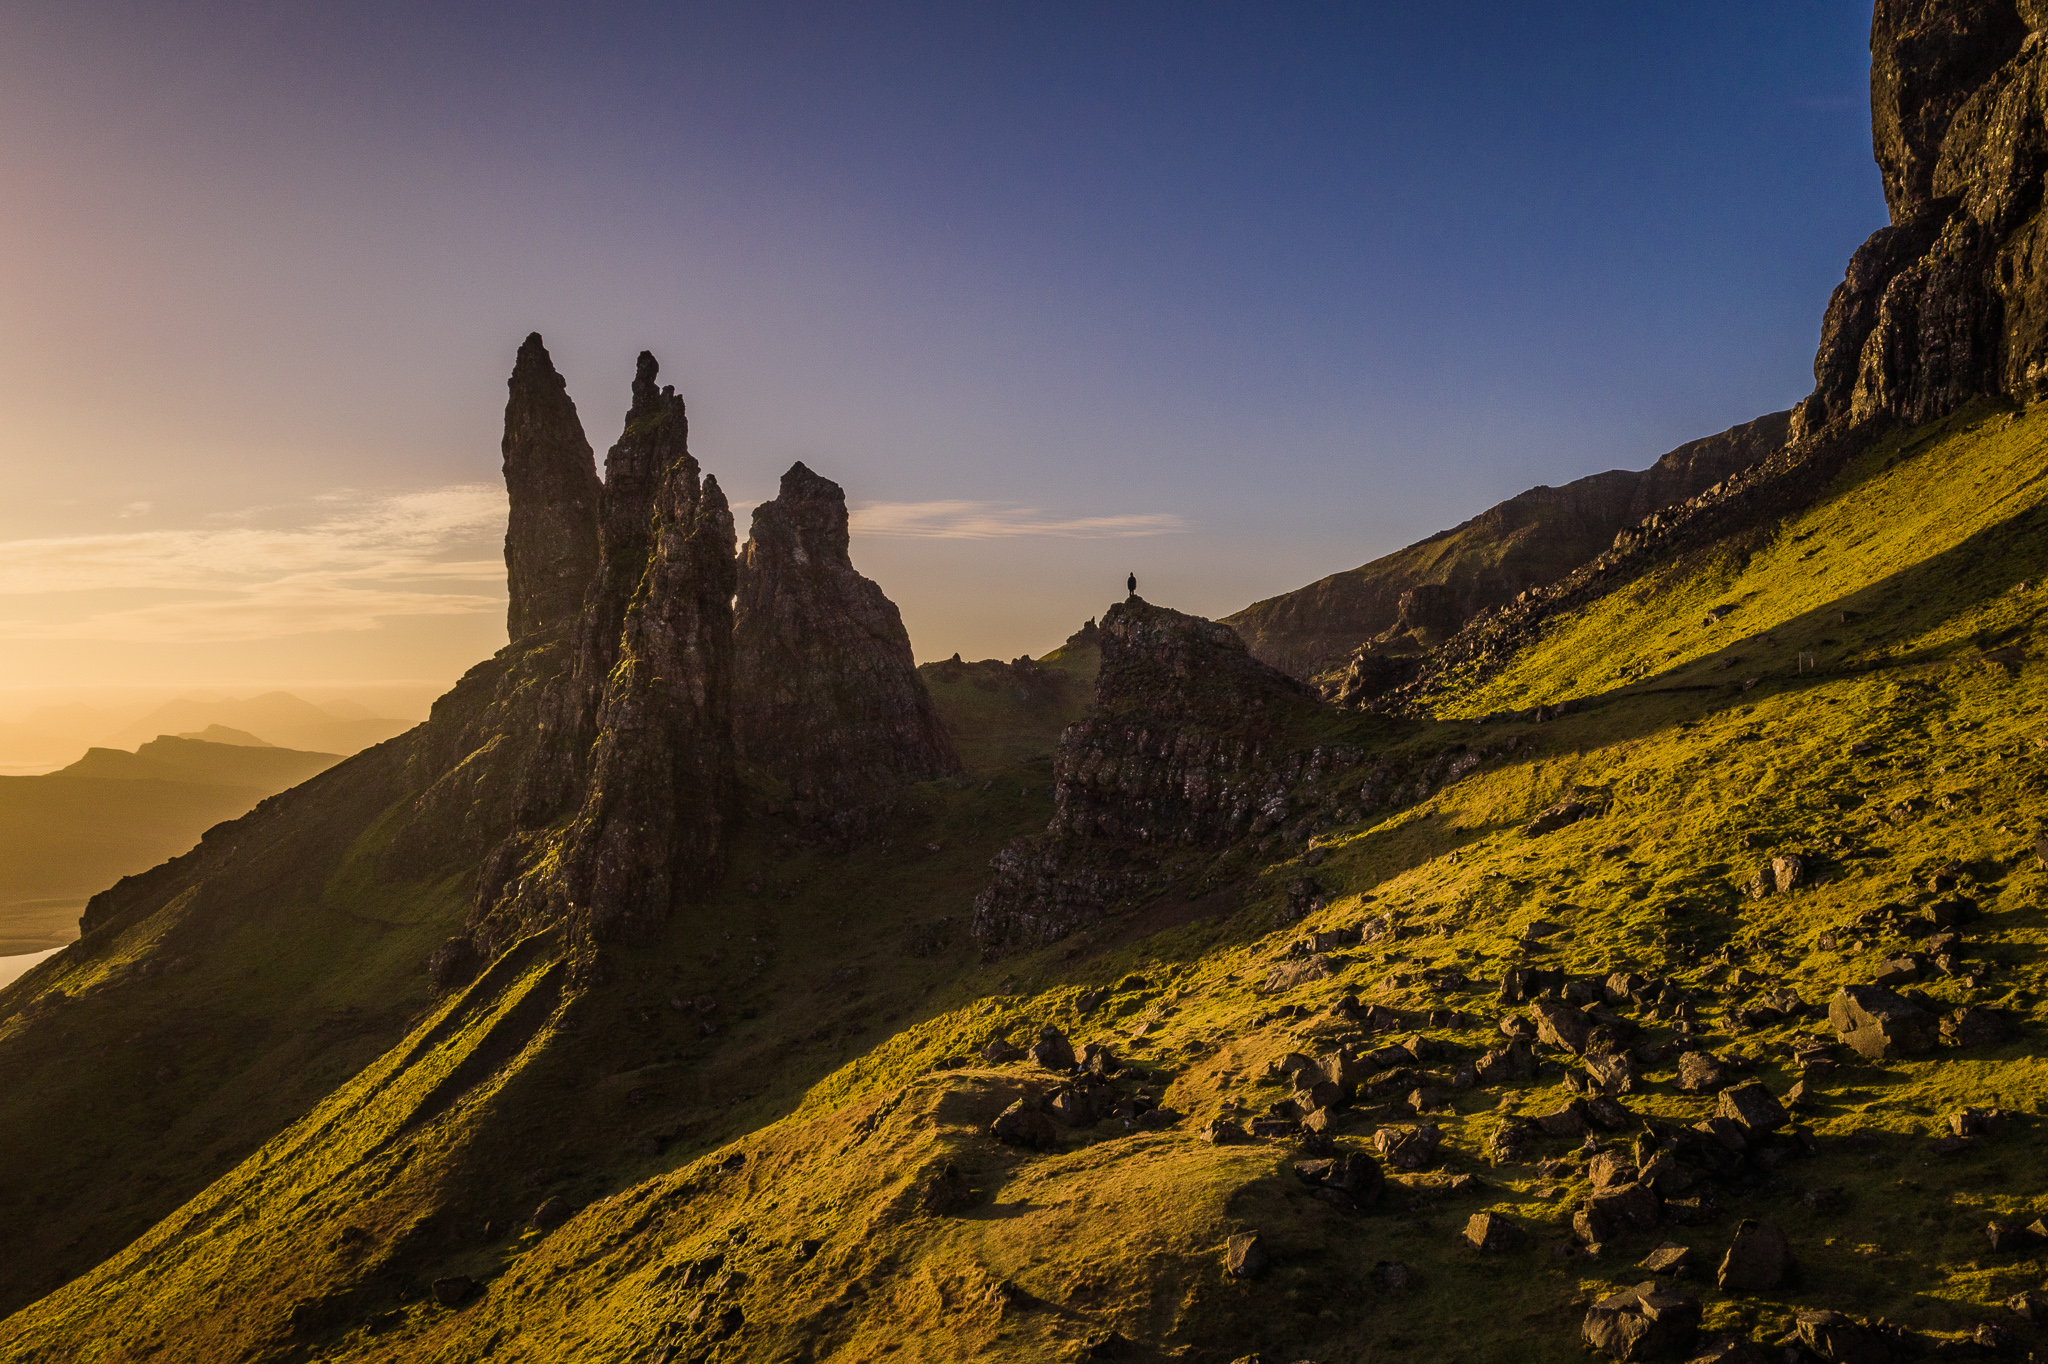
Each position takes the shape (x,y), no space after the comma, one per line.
(1231,296)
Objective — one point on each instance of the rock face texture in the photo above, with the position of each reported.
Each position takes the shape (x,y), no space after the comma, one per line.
(591,769)
(1951,300)
(1192,742)
(1427,591)
(551,534)
(827,698)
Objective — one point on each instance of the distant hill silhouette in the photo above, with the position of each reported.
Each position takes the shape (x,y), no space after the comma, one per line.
(276,717)
(67,834)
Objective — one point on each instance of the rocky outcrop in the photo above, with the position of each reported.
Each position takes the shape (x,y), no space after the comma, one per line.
(1950,301)
(551,532)
(828,701)
(1417,596)
(1191,742)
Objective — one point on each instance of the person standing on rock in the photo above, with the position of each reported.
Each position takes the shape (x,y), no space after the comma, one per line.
(1132,584)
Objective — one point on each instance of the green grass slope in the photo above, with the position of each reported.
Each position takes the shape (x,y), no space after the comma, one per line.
(749,1123)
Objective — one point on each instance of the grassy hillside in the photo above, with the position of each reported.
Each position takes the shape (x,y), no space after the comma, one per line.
(749,1123)
(67,834)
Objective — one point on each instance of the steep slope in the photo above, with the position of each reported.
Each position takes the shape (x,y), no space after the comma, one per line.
(1432,587)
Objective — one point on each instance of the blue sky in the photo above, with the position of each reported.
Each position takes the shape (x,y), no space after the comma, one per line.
(1231,295)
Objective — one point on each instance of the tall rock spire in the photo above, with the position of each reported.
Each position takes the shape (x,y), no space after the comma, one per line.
(827,696)
(551,535)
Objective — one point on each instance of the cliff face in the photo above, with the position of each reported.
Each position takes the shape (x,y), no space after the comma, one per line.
(551,534)
(1433,587)
(827,698)
(1192,744)
(1950,301)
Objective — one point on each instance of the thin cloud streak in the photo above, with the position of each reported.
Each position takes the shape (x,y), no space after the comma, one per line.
(963,520)
(364,561)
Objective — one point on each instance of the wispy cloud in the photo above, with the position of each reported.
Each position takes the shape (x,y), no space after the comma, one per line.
(357,561)
(958,520)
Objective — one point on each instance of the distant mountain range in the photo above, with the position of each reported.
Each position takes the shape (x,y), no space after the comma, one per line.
(56,734)
(67,834)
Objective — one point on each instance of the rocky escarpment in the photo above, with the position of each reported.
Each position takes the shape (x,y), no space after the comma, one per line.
(1192,743)
(828,701)
(1950,301)
(1427,591)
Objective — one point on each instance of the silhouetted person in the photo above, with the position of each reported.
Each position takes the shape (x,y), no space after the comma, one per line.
(1133,584)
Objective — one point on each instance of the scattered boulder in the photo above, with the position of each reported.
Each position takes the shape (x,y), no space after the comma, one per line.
(1606,1111)
(1973,1027)
(1097,1059)
(1568,1122)
(1759,1259)
(1560,1025)
(2030,1305)
(1625,1207)
(1900,970)
(1408,1148)
(1392,1275)
(1000,1052)
(1024,1124)
(1052,1050)
(1224,1132)
(552,1213)
(1289,974)
(1752,1107)
(1649,1321)
(1515,1061)
(2007,1236)
(1879,1024)
(1702,1073)
(1245,1256)
(1489,1231)
(1355,1178)
(454,1290)
(1613,1073)
(1840,1340)
(1788,872)
(1610,1168)
(1673,1259)
(1566,811)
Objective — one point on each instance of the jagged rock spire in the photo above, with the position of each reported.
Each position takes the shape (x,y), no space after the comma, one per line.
(827,696)
(551,478)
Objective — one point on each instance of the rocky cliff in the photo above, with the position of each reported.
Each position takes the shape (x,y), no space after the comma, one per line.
(1950,301)
(1192,744)
(1428,590)
(827,701)
(551,551)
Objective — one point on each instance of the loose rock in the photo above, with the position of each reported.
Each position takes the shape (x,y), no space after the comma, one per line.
(1758,1260)
(1245,1256)
(1489,1231)
(1649,1321)
(1879,1024)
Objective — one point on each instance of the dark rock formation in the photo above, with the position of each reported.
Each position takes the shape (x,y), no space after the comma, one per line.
(1418,595)
(1191,742)
(827,696)
(635,738)
(1951,300)
(551,532)
(1185,746)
